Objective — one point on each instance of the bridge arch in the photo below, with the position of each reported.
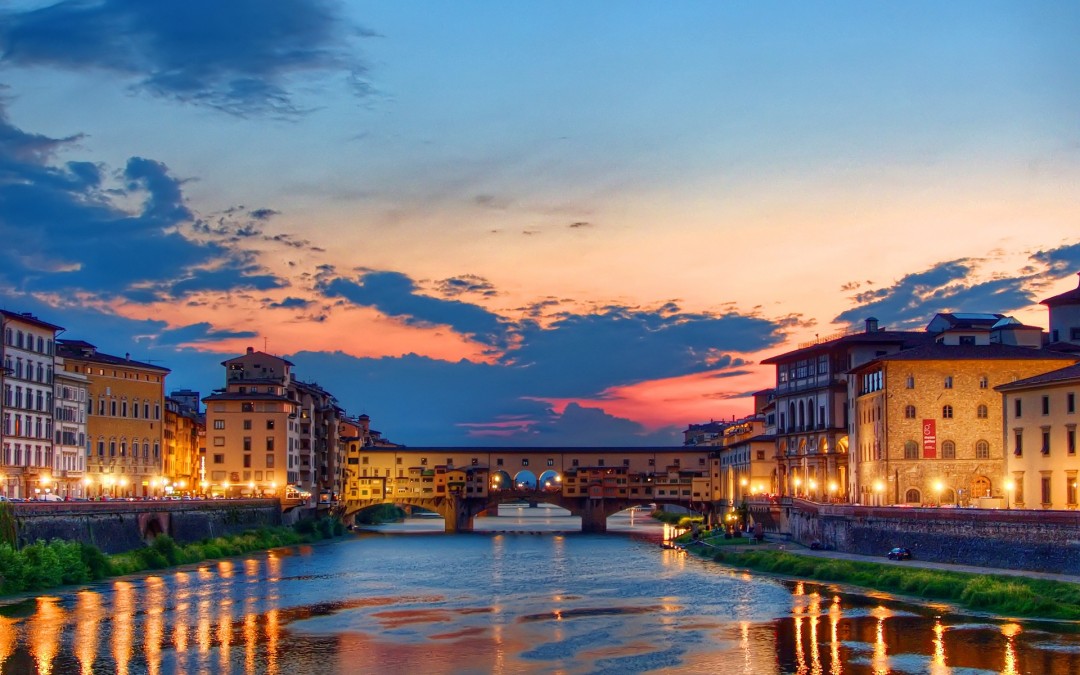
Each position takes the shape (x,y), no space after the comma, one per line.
(500,480)
(549,480)
(525,479)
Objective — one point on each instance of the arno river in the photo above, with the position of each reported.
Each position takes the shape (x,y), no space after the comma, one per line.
(511,600)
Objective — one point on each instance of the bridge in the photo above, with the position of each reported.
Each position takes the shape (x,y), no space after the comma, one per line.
(462,483)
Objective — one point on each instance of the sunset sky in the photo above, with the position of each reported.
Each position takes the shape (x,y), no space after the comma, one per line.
(530,223)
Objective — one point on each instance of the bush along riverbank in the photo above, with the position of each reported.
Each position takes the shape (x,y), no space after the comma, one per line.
(1005,595)
(43,565)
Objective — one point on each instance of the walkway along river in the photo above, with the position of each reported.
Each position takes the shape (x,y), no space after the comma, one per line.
(503,602)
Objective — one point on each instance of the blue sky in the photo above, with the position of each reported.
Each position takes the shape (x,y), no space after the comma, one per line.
(545,223)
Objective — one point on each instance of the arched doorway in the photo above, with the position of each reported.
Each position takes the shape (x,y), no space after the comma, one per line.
(550,480)
(525,479)
(980,487)
(500,480)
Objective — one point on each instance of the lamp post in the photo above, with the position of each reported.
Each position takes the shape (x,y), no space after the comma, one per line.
(1009,487)
(832,491)
(938,487)
(812,486)
(797,482)
(879,491)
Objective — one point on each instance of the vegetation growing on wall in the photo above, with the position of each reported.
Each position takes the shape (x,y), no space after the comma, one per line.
(8,531)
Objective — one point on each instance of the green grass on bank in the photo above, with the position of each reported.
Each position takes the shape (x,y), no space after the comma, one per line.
(44,565)
(683,520)
(1006,595)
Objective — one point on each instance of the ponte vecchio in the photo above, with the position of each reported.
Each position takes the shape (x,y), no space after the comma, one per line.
(461,483)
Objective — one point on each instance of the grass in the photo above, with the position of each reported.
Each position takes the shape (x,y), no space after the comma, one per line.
(1006,595)
(44,565)
(676,519)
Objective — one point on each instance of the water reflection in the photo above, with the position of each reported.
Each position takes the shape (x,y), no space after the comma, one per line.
(502,602)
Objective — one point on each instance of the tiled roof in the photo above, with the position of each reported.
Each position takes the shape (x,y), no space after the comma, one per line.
(1067,298)
(31,319)
(84,351)
(1054,376)
(995,351)
(901,337)
(248,396)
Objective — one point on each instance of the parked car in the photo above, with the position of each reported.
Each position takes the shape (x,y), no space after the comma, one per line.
(899,553)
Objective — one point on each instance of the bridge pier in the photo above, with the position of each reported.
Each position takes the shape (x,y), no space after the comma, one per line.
(594,517)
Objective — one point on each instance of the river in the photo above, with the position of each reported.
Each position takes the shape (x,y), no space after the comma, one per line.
(520,597)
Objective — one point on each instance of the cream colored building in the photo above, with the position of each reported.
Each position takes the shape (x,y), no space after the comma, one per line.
(1040,435)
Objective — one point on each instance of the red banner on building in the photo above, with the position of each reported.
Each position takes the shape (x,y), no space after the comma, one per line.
(929,439)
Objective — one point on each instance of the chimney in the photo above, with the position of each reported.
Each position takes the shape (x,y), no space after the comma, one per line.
(250,350)
(871,325)
(127,356)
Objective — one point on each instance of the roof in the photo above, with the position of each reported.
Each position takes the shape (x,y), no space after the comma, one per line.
(992,351)
(252,352)
(27,317)
(248,396)
(1067,298)
(84,351)
(1052,377)
(901,337)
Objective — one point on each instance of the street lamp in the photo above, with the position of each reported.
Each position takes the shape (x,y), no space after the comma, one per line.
(86,486)
(813,488)
(832,490)
(879,490)
(797,482)
(1009,487)
(938,487)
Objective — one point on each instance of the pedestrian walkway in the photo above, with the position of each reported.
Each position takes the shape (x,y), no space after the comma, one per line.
(791,547)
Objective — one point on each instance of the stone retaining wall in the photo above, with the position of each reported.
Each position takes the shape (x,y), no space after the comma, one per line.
(119,526)
(1043,541)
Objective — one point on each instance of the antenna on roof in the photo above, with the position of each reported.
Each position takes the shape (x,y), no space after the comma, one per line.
(265,340)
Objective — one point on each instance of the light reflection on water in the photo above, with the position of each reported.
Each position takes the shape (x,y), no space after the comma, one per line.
(503,603)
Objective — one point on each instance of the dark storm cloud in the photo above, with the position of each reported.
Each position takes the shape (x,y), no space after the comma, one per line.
(240,57)
(198,332)
(913,301)
(395,294)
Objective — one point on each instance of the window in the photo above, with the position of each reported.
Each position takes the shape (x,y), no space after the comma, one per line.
(1045,485)
(912,497)
(982,450)
(948,381)
(247,461)
(524,461)
(1017,408)
(247,425)
(911,450)
(499,461)
(219,424)
(247,407)
(269,461)
(967,339)
(909,412)
(1018,448)
(1070,440)
(247,443)
(910,381)
(946,412)
(551,462)
(269,424)
(982,412)
(269,443)
(1070,402)
(948,450)
(1074,333)
(1046,440)
(1070,490)
(1046,405)
(219,458)
(984,382)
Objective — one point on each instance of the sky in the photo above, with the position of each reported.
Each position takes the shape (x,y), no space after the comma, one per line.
(554,223)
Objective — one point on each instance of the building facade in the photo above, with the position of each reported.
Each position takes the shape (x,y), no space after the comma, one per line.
(182,461)
(126,411)
(70,395)
(26,409)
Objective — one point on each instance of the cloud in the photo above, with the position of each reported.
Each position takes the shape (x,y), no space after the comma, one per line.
(945,287)
(198,332)
(466,284)
(1061,261)
(226,279)
(395,295)
(291,303)
(243,58)
(580,224)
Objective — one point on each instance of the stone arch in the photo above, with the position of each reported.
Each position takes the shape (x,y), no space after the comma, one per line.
(948,496)
(980,486)
(525,479)
(550,480)
(500,480)
(912,496)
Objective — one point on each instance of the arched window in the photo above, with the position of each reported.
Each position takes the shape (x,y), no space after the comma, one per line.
(946,412)
(912,497)
(909,412)
(982,411)
(910,381)
(948,381)
(948,496)
(948,450)
(911,450)
(982,450)
(984,382)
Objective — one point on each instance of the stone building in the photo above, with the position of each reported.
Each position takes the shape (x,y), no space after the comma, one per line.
(746,463)
(811,403)
(182,462)
(320,454)
(26,409)
(927,421)
(125,431)
(70,394)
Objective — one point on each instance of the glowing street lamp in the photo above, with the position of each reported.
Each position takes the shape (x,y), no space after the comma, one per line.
(797,482)
(1009,487)
(813,488)
(938,487)
(832,490)
(879,490)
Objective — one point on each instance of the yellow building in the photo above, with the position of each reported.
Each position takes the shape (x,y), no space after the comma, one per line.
(125,430)
(252,431)
(746,464)
(927,421)
(182,458)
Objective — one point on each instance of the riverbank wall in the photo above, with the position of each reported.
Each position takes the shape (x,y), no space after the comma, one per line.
(115,527)
(1040,541)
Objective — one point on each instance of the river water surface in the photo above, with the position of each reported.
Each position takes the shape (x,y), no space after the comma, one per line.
(518,598)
